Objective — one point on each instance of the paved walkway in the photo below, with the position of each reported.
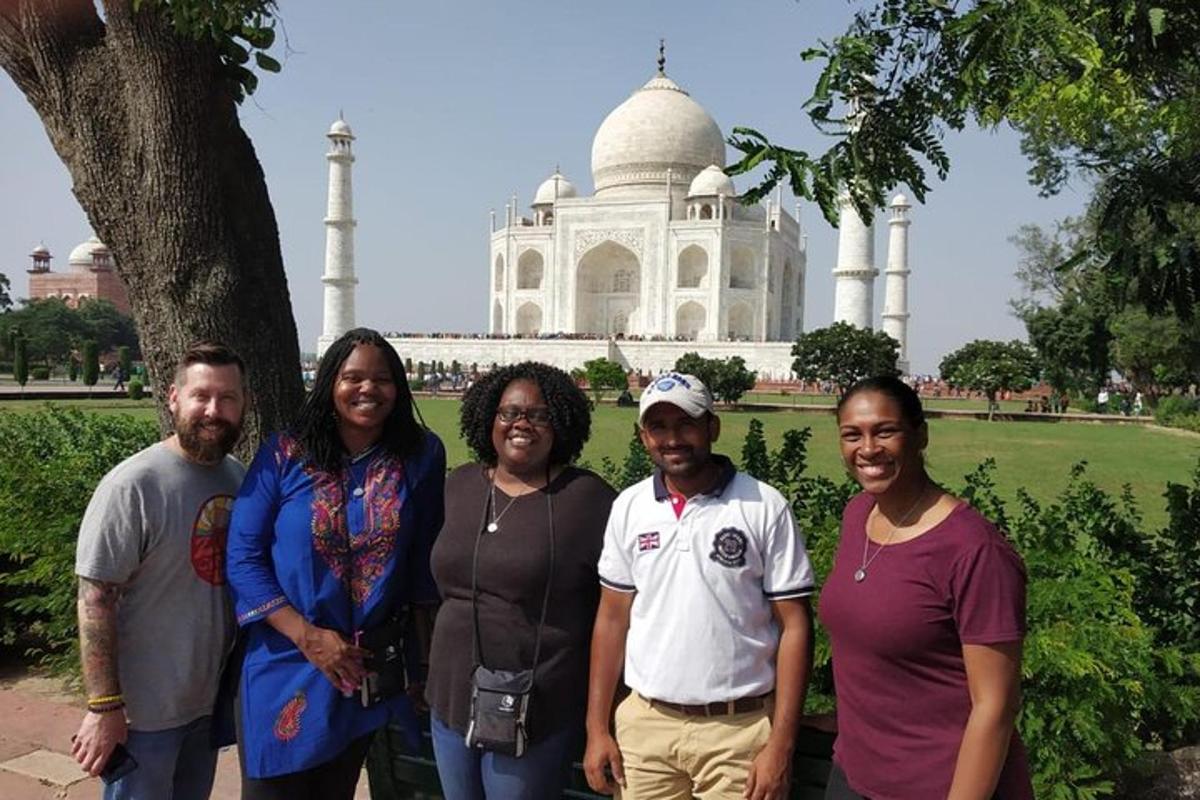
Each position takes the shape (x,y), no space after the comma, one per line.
(36,724)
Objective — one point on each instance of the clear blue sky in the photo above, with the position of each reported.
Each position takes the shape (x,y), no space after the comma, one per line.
(457,105)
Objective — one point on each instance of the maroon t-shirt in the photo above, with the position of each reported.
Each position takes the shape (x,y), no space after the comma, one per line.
(902,697)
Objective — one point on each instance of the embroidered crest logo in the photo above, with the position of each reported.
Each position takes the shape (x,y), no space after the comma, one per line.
(508,704)
(729,548)
(647,541)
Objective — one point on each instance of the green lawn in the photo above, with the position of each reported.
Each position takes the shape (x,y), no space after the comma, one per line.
(1036,455)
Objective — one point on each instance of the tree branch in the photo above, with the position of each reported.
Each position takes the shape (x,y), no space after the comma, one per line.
(40,39)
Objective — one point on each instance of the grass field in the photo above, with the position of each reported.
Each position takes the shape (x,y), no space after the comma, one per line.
(1035,455)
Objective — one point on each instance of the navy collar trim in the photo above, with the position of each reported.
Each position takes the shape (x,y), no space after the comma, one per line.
(728,471)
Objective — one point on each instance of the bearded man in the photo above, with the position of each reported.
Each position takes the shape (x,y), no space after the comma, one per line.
(155,621)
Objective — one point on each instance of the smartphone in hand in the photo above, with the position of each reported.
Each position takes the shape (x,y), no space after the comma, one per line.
(119,764)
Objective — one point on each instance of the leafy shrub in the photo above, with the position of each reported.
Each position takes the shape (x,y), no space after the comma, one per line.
(91,363)
(635,467)
(1178,411)
(136,389)
(39,373)
(53,460)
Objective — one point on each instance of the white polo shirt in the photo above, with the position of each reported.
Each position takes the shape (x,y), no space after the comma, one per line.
(701,628)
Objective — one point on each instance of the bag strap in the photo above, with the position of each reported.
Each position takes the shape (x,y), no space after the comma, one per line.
(477,642)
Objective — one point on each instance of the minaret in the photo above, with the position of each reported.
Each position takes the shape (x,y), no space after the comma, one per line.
(895,303)
(854,291)
(339,277)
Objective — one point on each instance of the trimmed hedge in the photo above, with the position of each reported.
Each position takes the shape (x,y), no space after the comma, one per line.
(53,460)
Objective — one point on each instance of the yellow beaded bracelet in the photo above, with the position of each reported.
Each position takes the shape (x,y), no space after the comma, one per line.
(108,698)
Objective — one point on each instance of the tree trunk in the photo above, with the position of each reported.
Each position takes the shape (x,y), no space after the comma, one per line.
(146,123)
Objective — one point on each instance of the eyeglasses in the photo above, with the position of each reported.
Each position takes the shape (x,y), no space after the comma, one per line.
(536,415)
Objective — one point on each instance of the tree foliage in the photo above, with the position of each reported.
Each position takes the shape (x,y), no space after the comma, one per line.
(755,459)
(1103,88)
(125,362)
(20,361)
(91,363)
(1156,353)
(1067,311)
(727,378)
(634,467)
(5,296)
(603,374)
(991,367)
(240,30)
(843,353)
(51,328)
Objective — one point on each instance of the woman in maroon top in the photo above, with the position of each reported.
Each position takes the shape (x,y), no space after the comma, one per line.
(925,608)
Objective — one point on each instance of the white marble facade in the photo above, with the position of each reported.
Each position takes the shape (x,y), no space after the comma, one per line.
(662,249)
(660,260)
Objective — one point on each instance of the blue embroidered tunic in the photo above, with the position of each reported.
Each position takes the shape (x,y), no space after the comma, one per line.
(345,560)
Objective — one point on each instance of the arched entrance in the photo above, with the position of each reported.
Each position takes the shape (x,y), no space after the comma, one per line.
(693,267)
(607,290)
(530,267)
(741,269)
(741,322)
(529,319)
(689,320)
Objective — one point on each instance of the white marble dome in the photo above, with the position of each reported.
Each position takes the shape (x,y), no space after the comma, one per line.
(545,194)
(712,181)
(81,256)
(900,201)
(340,128)
(659,127)
(41,251)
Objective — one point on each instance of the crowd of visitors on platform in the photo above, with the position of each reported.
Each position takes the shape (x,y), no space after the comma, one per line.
(344,582)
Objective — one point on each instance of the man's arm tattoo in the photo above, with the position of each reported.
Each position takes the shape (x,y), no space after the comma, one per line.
(97,607)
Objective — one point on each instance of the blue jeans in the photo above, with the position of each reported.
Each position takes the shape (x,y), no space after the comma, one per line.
(174,764)
(471,774)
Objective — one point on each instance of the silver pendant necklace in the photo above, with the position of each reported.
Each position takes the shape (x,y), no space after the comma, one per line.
(860,574)
(359,489)
(494,525)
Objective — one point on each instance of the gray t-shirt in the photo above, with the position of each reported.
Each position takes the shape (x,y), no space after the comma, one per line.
(157,525)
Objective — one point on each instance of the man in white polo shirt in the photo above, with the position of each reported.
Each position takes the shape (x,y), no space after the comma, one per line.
(704,586)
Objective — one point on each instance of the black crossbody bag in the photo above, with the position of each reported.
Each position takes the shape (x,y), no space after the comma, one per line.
(500,698)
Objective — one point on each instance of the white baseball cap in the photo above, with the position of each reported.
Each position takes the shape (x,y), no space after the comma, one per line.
(682,391)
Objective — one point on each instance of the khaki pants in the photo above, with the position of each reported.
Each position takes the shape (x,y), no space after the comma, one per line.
(672,756)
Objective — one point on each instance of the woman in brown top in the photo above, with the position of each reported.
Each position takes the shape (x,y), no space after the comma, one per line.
(528,521)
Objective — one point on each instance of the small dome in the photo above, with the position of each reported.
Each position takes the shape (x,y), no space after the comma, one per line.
(340,128)
(81,256)
(547,192)
(659,127)
(900,201)
(40,252)
(711,182)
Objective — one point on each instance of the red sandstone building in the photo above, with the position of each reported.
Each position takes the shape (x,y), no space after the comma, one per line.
(90,274)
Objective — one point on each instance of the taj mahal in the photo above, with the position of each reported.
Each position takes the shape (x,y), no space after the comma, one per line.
(661,259)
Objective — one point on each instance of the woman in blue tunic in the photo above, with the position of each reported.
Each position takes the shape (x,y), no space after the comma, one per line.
(329,541)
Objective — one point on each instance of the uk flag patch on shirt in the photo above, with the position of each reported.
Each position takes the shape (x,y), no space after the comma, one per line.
(647,541)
